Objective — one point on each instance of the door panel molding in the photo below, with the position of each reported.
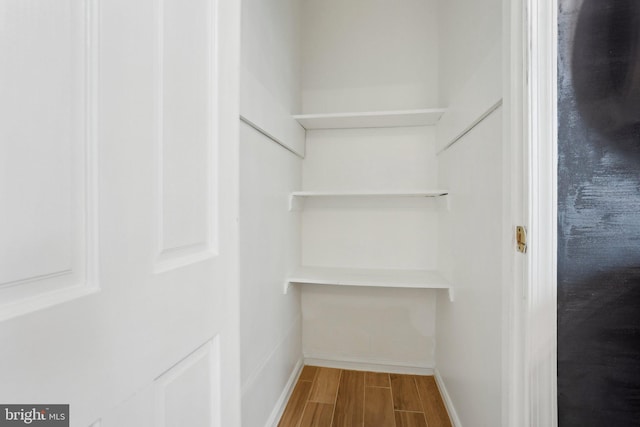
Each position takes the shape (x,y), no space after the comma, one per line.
(186,144)
(51,254)
(189,392)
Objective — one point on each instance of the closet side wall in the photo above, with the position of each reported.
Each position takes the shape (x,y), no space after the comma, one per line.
(468,30)
(469,330)
(362,55)
(271,348)
(269,250)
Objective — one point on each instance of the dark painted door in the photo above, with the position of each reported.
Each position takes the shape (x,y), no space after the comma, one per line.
(599,213)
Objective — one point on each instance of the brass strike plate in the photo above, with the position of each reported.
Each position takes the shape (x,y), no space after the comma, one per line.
(521,239)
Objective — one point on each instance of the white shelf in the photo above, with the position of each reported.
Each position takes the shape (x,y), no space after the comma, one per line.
(416,279)
(415,193)
(371,119)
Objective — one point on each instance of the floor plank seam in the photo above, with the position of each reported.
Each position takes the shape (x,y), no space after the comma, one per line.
(393,405)
(335,400)
(306,402)
(364,395)
(304,409)
(424,410)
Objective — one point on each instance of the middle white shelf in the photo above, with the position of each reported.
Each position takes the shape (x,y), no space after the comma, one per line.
(404,193)
(387,278)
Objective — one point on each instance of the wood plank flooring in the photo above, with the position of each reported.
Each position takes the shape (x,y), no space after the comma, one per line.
(326,397)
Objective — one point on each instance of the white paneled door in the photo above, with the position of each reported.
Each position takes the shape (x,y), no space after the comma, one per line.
(118,209)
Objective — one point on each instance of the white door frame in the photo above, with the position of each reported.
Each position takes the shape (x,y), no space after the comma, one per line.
(530,356)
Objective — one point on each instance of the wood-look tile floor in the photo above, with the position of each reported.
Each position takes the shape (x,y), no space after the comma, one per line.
(327,397)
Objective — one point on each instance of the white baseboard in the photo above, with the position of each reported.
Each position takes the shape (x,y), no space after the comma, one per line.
(453,415)
(281,403)
(367,365)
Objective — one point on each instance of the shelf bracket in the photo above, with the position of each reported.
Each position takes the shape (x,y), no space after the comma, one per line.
(451,294)
(287,286)
(295,203)
(444,202)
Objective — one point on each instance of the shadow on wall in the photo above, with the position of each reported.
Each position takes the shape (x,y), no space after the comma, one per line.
(606,67)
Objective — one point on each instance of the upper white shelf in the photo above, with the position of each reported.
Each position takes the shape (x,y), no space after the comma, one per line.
(411,193)
(371,119)
(416,279)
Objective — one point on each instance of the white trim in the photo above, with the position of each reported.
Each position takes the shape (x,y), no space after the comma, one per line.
(541,346)
(530,327)
(282,401)
(515,212)
(45,301)
(174,257)
(367,365)
(253,377)
(260,109)
(209,351)
(451,410)
(266,133)
(474,100)
(471,126)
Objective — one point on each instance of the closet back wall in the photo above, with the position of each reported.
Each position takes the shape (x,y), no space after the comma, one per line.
(360,55)
(370,326)
(363,55)
(370,233)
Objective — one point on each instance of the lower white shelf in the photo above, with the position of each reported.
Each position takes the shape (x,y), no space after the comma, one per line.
(417,279)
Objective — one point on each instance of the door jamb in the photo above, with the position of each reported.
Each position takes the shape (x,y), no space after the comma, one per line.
(530,307)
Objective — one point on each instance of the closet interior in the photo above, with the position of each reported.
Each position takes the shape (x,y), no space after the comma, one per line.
(373,195)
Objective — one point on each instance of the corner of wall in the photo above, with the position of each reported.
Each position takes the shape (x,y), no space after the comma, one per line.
(451,410)
(281,403)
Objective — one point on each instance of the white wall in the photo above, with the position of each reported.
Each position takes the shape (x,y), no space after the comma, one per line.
(469,330)
(269,250)
(468,333)
(271,42)
(271,347)
(370,326)
(383,326)
(467,30)
(370,233)
(270,69)
(363,55)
